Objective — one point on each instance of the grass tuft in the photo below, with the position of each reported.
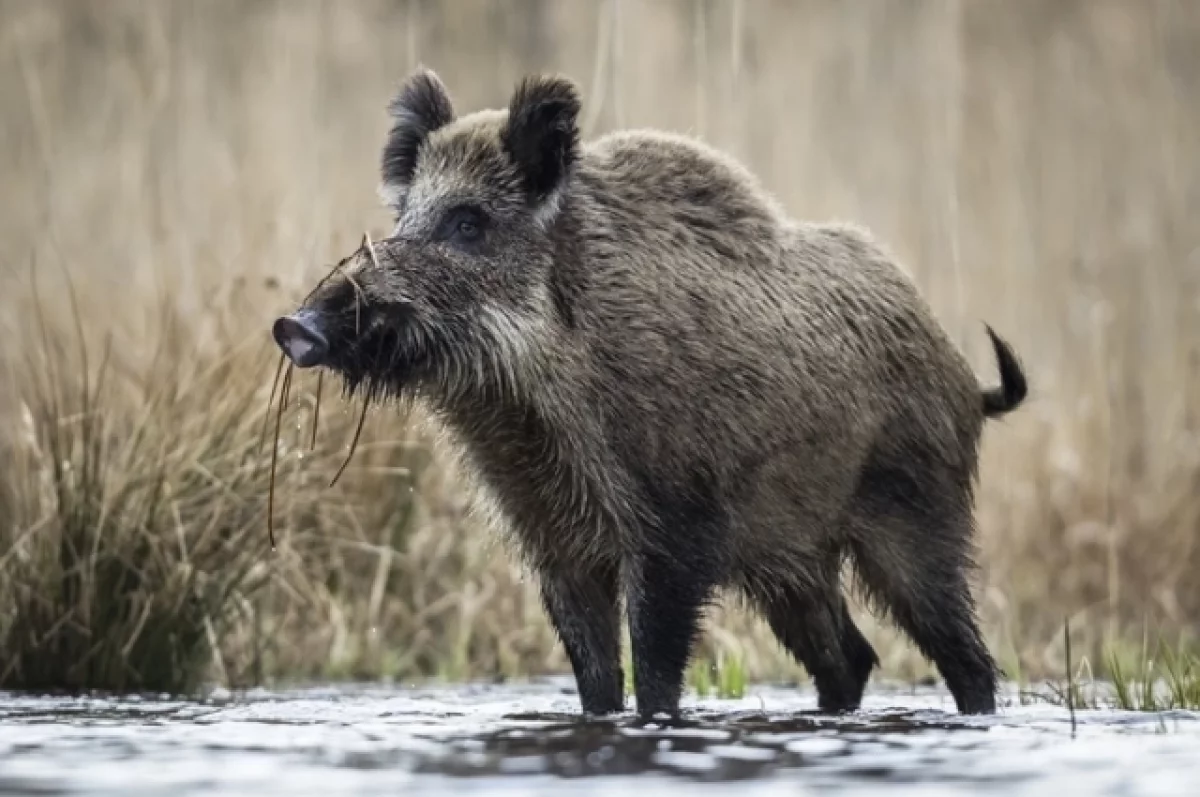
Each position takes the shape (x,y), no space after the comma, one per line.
(132,521)
(1164,677)
(723,677)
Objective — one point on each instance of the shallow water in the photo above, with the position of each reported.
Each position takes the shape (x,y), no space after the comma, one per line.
(528,739)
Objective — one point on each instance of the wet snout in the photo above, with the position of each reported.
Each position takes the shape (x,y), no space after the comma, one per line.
(301,338)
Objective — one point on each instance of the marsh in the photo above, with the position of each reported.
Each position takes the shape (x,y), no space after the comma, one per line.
(177,173)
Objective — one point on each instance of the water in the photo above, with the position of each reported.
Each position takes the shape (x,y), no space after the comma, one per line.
(528,739)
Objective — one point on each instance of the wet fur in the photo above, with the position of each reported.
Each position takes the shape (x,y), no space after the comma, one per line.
(661,386)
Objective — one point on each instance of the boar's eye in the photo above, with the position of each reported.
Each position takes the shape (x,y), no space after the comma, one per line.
(462,226)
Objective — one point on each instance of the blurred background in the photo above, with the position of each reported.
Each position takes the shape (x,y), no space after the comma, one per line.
(176,173)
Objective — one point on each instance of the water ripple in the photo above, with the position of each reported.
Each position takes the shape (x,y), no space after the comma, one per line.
(529,739)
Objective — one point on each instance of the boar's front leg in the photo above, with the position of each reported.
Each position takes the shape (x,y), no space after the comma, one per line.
(582,603)
(669,585)
(665,606)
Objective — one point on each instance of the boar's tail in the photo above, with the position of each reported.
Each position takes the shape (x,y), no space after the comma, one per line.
(1011,392)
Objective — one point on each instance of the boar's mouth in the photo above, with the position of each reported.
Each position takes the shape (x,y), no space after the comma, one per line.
(367,347)
(371,344)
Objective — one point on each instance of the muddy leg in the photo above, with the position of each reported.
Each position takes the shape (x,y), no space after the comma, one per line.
(666,599)
(938,613)
(669,582)
(816,628)
(912,544)
(583,608)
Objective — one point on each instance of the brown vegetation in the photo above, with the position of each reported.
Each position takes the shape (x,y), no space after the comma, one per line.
(192,167)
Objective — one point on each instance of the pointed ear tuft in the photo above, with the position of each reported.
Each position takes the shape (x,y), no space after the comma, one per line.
(422,106)
(542,136)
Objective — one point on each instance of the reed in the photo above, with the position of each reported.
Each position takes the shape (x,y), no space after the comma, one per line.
(177,174)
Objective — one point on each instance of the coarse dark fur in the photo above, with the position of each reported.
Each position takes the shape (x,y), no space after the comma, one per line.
(663,386)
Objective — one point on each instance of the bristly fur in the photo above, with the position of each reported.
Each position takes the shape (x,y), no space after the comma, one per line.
(422,106)
(663,386)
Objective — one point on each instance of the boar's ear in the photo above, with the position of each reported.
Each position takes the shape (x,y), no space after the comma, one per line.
(422,106)
(541,135)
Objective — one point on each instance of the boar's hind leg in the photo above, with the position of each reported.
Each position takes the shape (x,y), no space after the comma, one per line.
(583,608)
(815,626)
(911,537)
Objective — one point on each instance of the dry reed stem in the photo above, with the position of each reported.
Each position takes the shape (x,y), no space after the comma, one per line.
(312,444)
(362,417)
(283,399)
(359,297)
(262,437)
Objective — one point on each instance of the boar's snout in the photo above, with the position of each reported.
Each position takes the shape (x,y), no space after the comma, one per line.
(301,338)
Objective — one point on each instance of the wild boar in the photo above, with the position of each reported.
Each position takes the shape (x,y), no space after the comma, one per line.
(663,386)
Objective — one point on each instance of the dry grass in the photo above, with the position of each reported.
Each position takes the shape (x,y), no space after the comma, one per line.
(195,167)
